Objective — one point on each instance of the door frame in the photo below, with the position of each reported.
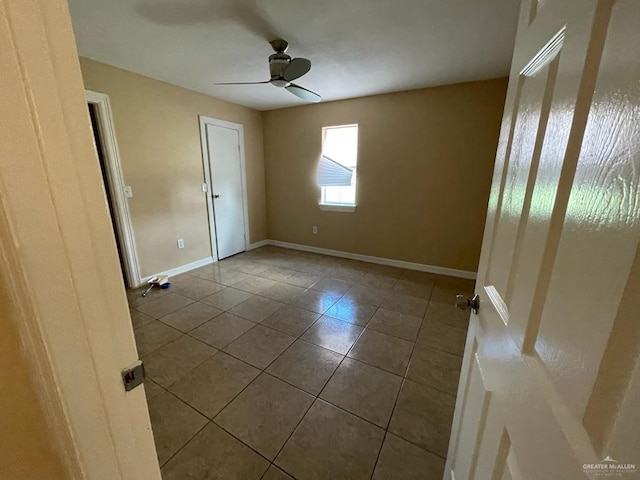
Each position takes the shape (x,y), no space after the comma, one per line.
(115,185)
(204,121)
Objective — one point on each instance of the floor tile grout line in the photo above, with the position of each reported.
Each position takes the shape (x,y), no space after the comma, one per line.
(185,443)
(375,465)
(395,403)
(292,432)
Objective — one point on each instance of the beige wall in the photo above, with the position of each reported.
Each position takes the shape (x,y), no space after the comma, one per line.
(159,141)
(26,450)
(425,161)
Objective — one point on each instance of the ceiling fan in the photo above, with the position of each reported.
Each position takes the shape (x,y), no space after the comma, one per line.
(283,70)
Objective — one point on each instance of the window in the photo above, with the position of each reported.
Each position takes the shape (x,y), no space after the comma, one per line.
(337,168)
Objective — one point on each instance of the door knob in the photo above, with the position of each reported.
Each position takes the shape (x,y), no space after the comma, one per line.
(216,196)
(463,302)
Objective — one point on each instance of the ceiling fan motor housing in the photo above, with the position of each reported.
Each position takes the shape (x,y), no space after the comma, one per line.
(278,62)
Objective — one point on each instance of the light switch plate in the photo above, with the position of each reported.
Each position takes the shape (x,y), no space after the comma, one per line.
(127,191)
(205,187)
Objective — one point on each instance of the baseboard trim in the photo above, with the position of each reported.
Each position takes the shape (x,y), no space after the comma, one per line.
(261,243)
(452,272)
(182,269)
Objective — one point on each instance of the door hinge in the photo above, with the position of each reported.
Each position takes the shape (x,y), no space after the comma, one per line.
(133,376)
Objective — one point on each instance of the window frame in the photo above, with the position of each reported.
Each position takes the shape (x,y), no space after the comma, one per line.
(340,207)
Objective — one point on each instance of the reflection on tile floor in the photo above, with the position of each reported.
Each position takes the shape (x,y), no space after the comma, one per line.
(280,364)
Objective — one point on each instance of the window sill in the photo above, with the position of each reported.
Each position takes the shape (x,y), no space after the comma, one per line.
(332,207)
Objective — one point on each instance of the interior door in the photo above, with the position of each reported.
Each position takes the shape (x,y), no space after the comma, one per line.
(550,386)
(226,189)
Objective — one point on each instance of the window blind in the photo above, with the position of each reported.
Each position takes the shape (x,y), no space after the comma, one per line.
(332,174)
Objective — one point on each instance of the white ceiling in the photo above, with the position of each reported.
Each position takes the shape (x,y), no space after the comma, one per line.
(357,47)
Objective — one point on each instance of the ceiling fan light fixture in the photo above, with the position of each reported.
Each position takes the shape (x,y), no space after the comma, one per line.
(279,82)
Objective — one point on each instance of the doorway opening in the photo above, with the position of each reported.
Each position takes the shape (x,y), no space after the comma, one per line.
(115,189)
(105,180)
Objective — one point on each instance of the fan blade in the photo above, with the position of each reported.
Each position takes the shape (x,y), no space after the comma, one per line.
(296,68)
(303,93)
(242,83)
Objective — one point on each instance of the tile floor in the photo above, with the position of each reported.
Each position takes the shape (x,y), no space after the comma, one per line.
(279,364)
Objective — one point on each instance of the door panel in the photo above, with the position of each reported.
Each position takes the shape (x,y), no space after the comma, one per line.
(226,188)
(551,370)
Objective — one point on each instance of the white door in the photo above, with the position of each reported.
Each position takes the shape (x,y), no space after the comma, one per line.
(550,383)
(226,189)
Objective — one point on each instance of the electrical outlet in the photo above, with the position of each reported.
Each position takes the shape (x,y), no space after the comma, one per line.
(315,230)
(180,243)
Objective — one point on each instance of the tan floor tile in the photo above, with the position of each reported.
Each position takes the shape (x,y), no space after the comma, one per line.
(274,473)
(265,413)
(212,385)
(301,279)
(401,302)
(400,459)
(254,284)
(368,295)
(232,263)
(383,351)
(359,265)
(363,390)
(332,285)
(352,312)
(442,337)
(378,281)
(227,298)
(153,336)
(251,268)
(197,288)
(135,298)
(419,277)
(333,334)
(397,324)
(315,269)
(259,346)
(191,316)
(436,369)
(207,272)
(330,443)
(306,366)
(315,301)
(446,288)
(182,279)
(151,389)
(415,289)
(139,319)
(275,273)
(164,305)
(423,416)
(167,364)
(350,275)
(386,271)
(213,454)
(291,320)
(222,330)
(282,292)
(256,309)
(229,277)
(173,424)
(448,315)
